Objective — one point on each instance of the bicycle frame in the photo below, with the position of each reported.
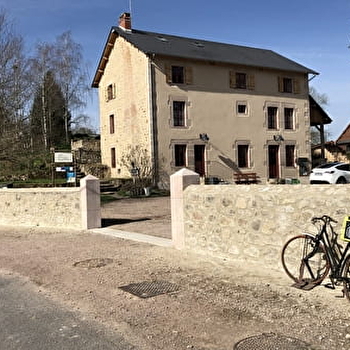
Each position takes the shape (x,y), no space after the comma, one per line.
(336,258)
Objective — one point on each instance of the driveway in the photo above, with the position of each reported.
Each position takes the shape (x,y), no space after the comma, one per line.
(148,215)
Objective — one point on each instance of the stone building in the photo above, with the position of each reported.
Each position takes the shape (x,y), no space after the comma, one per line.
(210,107)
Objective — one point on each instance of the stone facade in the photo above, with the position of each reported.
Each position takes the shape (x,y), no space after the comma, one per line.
(126,79)
(252,222)
(137,95)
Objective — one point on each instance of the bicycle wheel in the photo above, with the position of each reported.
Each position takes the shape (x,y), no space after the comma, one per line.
(346,276)
(313,269)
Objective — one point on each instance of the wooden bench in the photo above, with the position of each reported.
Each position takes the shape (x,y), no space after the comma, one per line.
(245,178)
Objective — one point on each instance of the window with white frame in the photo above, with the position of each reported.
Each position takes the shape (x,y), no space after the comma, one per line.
(272,117)
(180,158)
(113,158)
(243,160)
(289,118)
(111,124)
(110,92)
(242,108)
(290,155)
(179,114)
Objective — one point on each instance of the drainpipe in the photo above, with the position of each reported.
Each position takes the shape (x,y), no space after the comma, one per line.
(153,132)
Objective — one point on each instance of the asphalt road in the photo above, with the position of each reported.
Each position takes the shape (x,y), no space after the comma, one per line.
(30,321)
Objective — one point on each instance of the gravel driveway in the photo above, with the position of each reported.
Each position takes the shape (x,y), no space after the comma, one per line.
(148,215)
(218,303)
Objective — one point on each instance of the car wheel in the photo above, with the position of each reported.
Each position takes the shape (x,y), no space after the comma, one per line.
(341,180)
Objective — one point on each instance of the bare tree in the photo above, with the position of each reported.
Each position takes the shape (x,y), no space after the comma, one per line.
(72,77)
(322,100)
(139,163)
(13,92)
(41,65)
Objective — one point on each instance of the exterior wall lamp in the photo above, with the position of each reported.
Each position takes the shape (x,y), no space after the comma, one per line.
(204,137)
(278,138)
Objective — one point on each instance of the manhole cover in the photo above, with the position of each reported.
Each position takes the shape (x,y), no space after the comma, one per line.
(93,263)
(150,289)
(271,341)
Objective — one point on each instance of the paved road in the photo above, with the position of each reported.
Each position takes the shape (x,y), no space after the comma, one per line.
(29,321)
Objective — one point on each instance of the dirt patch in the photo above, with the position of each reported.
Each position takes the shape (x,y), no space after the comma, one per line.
(217,304)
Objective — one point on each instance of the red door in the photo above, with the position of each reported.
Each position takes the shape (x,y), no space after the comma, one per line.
(199,159)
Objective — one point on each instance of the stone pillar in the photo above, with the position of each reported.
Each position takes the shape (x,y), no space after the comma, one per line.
(90,202)
(178,182)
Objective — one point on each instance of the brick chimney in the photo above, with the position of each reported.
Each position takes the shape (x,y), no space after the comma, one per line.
(125,21)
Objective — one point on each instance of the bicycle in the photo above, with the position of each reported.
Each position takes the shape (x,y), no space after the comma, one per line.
(307,259)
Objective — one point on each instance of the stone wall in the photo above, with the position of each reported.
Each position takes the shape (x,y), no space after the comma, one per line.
(252,222)
(76,208)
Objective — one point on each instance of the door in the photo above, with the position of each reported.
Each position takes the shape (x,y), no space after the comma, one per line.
(273,162)
(199,159)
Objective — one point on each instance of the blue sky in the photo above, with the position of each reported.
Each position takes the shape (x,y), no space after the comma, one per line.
(313,33)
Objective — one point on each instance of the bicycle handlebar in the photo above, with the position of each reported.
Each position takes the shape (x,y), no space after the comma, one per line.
(325,218)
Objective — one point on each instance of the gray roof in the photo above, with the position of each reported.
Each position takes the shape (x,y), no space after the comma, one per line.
(175,46)
(180,47)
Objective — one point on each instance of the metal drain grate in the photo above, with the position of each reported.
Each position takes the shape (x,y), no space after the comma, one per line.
(271,341)
(150,289)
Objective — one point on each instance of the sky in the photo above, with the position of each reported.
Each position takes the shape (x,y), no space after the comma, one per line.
(313,33)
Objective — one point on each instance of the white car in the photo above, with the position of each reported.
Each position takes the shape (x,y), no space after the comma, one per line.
(330,173)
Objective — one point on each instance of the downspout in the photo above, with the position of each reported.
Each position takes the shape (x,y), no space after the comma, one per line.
(153,131)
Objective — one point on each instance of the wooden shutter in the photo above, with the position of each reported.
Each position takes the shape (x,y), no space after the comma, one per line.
(280,84)
(232,79)
(114,91)
(188,75)
(251,82)
(296,86)
(168,76)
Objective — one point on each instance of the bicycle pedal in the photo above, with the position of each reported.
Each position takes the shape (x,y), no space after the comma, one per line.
(304,285)
(329,286)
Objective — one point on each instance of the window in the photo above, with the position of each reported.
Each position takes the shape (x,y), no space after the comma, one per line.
(178,113)
(288,85)
(180,155)
(113,158)
(272,117)
(290,155)
(177,74)
(111,124)
(243,156)
(344,167)
(241,80)
(289,118)
(242,108)
(110,92)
